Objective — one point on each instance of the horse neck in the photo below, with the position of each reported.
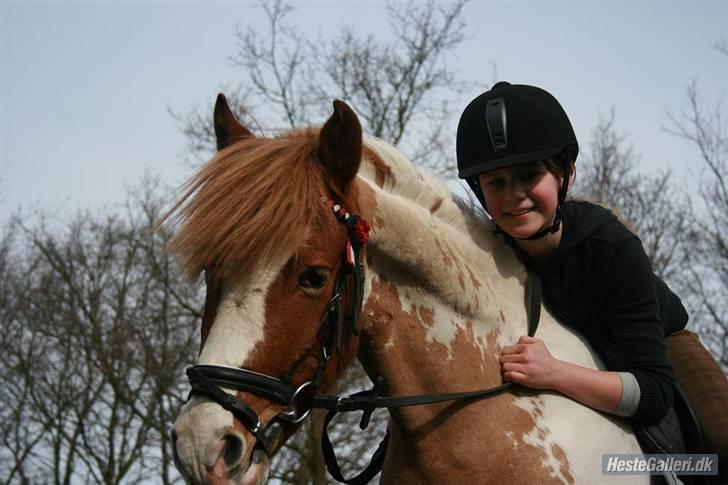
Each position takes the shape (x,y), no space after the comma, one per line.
(440,288)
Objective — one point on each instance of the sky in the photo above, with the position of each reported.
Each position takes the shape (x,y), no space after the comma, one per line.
(86,87)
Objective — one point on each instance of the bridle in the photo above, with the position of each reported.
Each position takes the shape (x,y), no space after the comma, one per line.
(336,329)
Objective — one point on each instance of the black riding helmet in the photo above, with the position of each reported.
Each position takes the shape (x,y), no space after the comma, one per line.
(513,124)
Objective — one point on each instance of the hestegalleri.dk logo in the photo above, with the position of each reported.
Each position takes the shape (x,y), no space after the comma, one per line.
(658,464)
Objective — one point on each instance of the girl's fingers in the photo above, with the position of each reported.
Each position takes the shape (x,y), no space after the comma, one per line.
(515,376)
(513,367)
(512,358)
(525,339)
(512,349)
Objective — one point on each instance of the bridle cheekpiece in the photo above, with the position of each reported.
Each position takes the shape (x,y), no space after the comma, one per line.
(336,328)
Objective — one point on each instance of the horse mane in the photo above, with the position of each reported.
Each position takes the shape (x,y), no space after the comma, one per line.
(423,188)
(253,202)
(260,197)
(249,205)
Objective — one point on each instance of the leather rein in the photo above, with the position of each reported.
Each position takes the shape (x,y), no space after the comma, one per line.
(336,328)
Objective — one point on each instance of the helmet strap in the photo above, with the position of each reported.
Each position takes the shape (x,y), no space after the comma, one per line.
(546,230)
(562,197)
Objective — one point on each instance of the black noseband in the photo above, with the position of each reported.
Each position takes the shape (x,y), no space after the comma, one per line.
(336,329)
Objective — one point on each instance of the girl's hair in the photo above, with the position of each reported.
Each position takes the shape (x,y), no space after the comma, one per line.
(555,164)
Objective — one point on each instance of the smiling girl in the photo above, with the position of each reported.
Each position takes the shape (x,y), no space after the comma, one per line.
(517,151)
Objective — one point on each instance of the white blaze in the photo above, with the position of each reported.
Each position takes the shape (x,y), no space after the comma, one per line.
(237,329)
(238,325)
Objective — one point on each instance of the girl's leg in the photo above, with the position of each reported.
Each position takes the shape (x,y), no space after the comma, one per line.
(706,387)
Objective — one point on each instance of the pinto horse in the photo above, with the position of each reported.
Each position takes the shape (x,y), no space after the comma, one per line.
(441,296)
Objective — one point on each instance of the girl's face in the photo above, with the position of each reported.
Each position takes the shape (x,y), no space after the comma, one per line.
(521,199)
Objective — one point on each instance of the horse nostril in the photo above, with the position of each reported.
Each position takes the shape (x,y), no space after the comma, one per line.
(233,448)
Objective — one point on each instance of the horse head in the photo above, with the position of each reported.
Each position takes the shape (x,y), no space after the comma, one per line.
(276,227)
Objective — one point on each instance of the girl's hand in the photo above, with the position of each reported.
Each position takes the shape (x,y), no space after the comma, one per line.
(529,363)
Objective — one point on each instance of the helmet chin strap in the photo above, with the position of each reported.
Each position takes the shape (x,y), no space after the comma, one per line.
(546,230)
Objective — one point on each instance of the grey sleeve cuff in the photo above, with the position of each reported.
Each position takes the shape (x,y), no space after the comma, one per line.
(630,395)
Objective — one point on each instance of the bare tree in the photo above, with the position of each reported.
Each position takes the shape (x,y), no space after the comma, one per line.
(705,127)
(650,204)
(97,330)
(402,89)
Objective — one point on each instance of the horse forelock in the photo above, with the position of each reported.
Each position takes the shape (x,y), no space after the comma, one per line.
(249,205)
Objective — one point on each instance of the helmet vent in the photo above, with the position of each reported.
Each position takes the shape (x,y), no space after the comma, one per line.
(495,117)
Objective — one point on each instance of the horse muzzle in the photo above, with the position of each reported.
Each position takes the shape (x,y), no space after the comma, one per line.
(209,448)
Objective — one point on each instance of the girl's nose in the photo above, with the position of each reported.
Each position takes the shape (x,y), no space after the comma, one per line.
(517,189)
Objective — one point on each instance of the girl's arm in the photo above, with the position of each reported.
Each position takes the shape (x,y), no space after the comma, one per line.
(529,363)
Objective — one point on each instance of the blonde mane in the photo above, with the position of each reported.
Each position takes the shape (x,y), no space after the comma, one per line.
(428,192)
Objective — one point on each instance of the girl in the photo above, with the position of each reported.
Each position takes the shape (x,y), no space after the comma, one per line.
(516,149)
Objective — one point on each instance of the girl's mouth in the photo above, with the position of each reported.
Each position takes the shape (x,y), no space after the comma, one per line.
(519,212)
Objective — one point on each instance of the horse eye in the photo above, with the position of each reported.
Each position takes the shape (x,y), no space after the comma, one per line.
(313,278)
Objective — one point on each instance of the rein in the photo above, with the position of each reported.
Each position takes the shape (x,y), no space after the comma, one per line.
(335,330)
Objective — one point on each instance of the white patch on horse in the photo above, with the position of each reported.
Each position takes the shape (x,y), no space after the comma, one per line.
(451,263)
(238,326)
(541,437)
(564,424)
(512,437)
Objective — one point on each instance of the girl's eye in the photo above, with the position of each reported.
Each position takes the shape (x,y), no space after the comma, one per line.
(313,278)
(494,183)
(530,175)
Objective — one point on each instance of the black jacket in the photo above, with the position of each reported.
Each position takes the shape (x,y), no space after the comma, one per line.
(600,282)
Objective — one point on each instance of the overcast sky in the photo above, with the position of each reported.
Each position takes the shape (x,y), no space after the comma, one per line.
(85,87)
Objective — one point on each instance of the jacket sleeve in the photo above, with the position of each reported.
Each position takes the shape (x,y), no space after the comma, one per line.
(637,329)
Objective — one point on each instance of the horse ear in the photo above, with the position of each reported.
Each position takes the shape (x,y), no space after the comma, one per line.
(340,143)
(228,129)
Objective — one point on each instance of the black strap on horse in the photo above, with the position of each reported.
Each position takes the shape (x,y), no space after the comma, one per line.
(336,328)
(368,401)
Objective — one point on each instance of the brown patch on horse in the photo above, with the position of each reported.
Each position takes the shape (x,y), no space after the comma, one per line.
(293,315)
(449,258)
(473,279)
(292,330)
(427,315)
(292,324)
(445,257)
(448,439)
(564,468)
(212,301)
